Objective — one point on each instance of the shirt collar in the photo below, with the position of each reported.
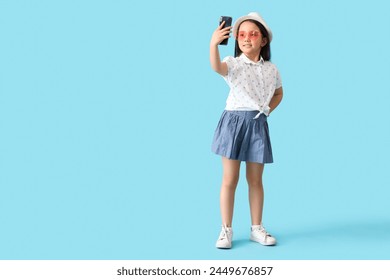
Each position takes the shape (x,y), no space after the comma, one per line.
(248,61)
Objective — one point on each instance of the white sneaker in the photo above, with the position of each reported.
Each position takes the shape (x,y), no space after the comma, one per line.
(225,238)
(259,234)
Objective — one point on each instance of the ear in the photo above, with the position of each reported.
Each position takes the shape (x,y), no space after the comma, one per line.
(264,41)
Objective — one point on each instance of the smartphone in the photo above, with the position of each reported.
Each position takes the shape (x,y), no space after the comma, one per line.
(228,22)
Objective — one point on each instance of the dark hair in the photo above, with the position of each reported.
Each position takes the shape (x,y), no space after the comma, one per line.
(265,51)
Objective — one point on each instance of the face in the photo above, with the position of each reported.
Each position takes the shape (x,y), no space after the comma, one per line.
(250,39)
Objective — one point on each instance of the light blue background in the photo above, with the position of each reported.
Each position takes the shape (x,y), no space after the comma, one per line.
(108,108)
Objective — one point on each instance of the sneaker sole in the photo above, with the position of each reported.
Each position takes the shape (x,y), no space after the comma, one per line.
(261,242)
(224,247)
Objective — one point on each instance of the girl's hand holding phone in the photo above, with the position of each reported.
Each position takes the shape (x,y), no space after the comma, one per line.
(220,34)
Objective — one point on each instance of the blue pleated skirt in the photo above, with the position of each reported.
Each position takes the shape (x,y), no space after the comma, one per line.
(240,137)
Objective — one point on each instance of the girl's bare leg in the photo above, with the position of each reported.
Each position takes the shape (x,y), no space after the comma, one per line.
(254,174)
(231,172)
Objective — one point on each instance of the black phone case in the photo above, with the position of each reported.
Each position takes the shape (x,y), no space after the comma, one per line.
(228,22)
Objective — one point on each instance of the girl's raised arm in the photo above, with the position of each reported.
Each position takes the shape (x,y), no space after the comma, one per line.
(218,36)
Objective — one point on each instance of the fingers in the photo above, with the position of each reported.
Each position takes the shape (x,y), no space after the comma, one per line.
(221,33)
(226,31)
(221,27)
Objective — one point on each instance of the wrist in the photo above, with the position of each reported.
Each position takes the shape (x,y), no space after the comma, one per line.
(213,44)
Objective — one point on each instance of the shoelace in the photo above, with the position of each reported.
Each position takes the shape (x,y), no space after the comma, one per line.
(266,234)
(224,234)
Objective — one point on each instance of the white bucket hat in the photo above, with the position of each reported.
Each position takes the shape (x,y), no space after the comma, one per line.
(254,16)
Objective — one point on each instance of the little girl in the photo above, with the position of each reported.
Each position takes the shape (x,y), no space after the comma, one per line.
(242,132)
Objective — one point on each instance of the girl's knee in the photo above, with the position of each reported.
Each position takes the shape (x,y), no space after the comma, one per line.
(230,182)
(254,182)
